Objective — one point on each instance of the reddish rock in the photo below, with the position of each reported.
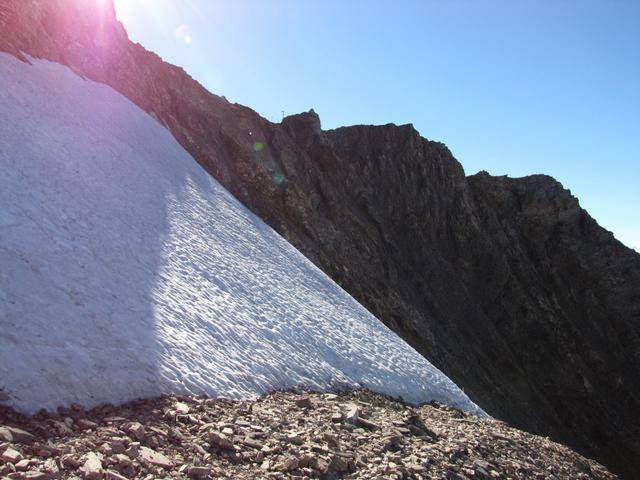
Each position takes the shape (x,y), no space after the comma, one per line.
(92,467)
(15,435)
(154,458)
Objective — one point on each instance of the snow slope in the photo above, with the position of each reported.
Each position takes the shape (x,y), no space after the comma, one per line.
(127,271)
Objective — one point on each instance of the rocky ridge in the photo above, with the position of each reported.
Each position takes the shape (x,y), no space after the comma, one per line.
(282,435)
(506,285)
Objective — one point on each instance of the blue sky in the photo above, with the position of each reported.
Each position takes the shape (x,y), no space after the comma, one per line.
(512,87)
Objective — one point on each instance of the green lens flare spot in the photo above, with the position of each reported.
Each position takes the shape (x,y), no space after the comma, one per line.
(278,178)
(258,146)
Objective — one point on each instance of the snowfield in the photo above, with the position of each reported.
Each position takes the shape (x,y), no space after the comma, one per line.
(126,271)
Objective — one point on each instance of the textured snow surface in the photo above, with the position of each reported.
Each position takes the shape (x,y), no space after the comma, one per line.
(126,271)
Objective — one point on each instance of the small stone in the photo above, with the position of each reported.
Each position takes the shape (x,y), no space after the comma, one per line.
(482,464)
(70,461)
(330,438)
(112,475)
(176,434)
(339,464)
(105,449)
(454,476)
(200,450)
(295,439)
(15,435)
(114,419)
(363,422)
(221,440)
(137,430)
(352,415)
(182,408)
(307,460)
(482,473)
(290,463)
(43,451)
(199,472)
(117,446)
(92,467)
(133,451)
(415,468)
(322,466)
(84,424)
(11,455)
(336,417)
(122,460)
(391,441)
(22,464)
(422,432)
(51,468)
(304,402)
(33,475)
(153,442)
(250,442)
(154,458)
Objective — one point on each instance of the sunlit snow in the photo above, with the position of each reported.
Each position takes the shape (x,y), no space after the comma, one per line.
(126,271)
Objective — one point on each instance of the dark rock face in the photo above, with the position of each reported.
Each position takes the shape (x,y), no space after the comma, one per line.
(507,285)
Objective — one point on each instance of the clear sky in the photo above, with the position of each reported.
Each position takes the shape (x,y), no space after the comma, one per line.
(514,87)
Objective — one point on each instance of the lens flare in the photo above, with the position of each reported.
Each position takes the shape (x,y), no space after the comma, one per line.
(278,179)
(183,33)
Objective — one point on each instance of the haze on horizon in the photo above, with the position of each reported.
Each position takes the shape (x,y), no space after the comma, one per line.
(512,88)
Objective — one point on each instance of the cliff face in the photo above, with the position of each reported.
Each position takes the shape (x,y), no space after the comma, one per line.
(507,285)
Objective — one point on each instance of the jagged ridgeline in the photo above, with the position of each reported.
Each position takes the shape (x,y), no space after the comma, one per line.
(507,285)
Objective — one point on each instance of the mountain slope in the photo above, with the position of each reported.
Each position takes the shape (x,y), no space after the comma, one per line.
(127,271)
(507,285)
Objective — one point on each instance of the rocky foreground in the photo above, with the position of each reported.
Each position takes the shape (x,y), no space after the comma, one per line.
(282,435)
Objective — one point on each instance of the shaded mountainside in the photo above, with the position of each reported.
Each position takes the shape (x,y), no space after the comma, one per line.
(506,285)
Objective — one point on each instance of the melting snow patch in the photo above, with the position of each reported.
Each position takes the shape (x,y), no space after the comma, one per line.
(127,271)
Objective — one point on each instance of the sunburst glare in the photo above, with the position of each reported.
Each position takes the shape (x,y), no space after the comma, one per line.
(160,15)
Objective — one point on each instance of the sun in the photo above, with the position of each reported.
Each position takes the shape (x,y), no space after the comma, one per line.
(158,15)
(126,8)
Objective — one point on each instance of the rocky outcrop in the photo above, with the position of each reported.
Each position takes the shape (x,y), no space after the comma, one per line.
(355,435)
(507,285)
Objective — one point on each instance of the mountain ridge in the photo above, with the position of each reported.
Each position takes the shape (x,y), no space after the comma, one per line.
(512,269)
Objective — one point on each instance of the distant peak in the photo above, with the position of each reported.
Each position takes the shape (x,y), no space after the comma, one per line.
(311,115)
(303,124)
